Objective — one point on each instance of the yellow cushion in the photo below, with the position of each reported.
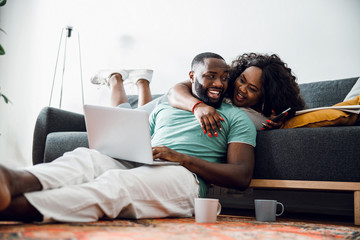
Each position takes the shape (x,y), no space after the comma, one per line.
(325,117)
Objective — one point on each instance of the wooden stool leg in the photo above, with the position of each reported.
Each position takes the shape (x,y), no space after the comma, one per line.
(357,207)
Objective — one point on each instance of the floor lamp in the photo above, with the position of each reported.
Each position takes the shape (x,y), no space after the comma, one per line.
(65,35)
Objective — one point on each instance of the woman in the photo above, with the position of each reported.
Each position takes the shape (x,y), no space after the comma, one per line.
(262,85)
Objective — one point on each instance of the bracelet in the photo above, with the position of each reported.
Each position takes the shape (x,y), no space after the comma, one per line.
(193,108)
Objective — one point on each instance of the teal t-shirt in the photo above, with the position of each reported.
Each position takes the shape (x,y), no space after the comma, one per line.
(179,130)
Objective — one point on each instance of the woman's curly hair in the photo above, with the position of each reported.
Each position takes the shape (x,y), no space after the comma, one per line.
(279,87)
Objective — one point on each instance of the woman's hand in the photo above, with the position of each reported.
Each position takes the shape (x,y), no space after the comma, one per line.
(209,118)
(271,124)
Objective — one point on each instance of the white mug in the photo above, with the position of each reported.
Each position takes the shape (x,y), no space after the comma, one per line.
(265,210)
(207,210)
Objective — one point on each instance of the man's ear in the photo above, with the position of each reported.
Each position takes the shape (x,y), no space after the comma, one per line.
(191,75)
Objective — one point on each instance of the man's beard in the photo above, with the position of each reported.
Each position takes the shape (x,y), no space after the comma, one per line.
(202,94)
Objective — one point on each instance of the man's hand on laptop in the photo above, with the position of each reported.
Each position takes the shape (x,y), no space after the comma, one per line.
(165,153)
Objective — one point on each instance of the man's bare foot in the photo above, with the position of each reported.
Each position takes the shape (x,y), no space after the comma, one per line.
(14,183)
(5,194)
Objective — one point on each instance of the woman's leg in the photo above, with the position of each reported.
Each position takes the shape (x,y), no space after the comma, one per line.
(115,80)
(144,91)
(118,94)
(141,78)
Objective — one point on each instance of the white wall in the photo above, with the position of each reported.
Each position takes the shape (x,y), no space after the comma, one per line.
(320,40)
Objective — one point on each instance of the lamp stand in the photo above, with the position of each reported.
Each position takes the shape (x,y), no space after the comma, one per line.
(68,31)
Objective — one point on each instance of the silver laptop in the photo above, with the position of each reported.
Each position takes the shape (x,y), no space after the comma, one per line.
(121,133)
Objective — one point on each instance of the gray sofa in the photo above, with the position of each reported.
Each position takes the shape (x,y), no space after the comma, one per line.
(310,154)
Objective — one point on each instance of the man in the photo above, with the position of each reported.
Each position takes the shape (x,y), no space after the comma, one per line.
(85,185)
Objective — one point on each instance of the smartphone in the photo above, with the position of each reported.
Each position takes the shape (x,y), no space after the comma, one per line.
(278,117)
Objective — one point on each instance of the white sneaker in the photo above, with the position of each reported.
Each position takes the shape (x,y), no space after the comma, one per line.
(137,74)
(102,76)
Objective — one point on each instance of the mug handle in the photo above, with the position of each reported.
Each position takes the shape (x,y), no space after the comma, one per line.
(219,209)
(282,209)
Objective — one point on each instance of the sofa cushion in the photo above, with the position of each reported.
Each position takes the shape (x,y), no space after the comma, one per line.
(325,117)
(321,118)
(355,91)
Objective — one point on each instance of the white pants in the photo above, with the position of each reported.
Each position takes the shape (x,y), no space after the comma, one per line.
(85,185)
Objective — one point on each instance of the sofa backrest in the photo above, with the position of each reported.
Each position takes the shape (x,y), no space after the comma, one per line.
(326,93)
(315,94)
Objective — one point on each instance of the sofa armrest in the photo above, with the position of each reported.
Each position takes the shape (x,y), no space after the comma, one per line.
(58,143)
(53,120)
